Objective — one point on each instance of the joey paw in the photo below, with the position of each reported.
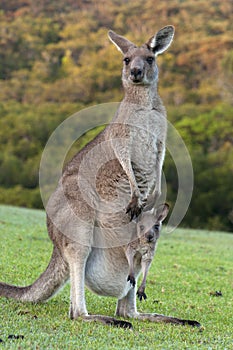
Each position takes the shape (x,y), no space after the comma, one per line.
(141,295)
(132,280)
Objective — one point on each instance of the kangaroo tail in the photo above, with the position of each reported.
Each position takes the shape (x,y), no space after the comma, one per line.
(49,282)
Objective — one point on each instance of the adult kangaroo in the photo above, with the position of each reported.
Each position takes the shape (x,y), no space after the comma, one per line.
(106,185)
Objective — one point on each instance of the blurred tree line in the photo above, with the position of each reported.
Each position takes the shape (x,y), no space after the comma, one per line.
(55,59)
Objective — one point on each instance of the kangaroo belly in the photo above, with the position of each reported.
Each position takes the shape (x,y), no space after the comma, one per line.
(106,272)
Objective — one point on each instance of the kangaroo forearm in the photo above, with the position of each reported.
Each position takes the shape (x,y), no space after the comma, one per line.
(159,166)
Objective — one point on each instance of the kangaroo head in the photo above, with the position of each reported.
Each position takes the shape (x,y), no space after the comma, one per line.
(139,62)
(149,223)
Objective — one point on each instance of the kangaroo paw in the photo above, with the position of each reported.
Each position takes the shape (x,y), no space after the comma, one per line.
(134,207)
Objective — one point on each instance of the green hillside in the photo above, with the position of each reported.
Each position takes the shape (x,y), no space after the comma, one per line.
(55,59)
(190,266)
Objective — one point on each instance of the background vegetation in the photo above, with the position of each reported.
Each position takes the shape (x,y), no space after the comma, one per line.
(190,266)
(55,59)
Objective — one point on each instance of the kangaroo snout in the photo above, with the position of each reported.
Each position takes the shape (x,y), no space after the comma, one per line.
(136,74)
(150,235)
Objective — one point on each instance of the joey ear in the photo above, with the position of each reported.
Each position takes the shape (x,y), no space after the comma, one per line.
(162,211)
(120,42)
(162,40)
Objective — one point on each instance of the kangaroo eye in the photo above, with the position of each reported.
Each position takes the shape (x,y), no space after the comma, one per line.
(142,227)
(156,227)
(150,60)
(126,60)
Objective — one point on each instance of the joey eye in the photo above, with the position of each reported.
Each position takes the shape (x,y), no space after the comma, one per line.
(150,60)
(126,60)
(142,227)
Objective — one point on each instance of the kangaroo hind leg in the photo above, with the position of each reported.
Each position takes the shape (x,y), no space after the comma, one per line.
(126,307)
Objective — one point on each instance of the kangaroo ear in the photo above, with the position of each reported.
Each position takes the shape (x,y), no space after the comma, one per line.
(162,211)
(162,40)
(121,43)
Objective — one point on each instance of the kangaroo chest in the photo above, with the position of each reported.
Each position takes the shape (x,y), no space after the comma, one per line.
(147,146)
(137,139)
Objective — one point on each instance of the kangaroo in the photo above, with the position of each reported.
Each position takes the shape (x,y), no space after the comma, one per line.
(105,186)
(143,248)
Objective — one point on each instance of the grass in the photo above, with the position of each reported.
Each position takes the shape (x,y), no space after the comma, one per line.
(189,267)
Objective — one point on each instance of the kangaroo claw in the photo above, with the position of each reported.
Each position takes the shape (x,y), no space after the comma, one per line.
(134,208)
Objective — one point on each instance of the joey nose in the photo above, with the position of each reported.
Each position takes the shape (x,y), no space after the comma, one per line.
(150,236)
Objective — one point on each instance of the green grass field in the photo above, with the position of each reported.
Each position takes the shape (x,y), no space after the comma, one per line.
(188,269)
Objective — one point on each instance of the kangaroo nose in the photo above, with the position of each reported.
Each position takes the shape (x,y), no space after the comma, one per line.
(150,236)
(136,74)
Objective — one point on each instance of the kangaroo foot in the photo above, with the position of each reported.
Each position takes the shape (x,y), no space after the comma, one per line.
(167,319)
(74,314)
(109,321)
(191,323)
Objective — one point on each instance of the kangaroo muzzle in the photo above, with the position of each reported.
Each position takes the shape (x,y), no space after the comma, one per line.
(136,75)
(150,235)
(137,70)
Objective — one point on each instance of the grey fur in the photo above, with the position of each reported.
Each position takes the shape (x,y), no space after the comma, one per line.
(143,248)
(88,233)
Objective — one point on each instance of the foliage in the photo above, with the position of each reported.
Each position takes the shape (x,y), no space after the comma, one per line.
(21,196)
(55,59)
(209,140)
(188,269)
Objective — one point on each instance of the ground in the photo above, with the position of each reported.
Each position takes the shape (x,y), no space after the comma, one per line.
(191,277)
